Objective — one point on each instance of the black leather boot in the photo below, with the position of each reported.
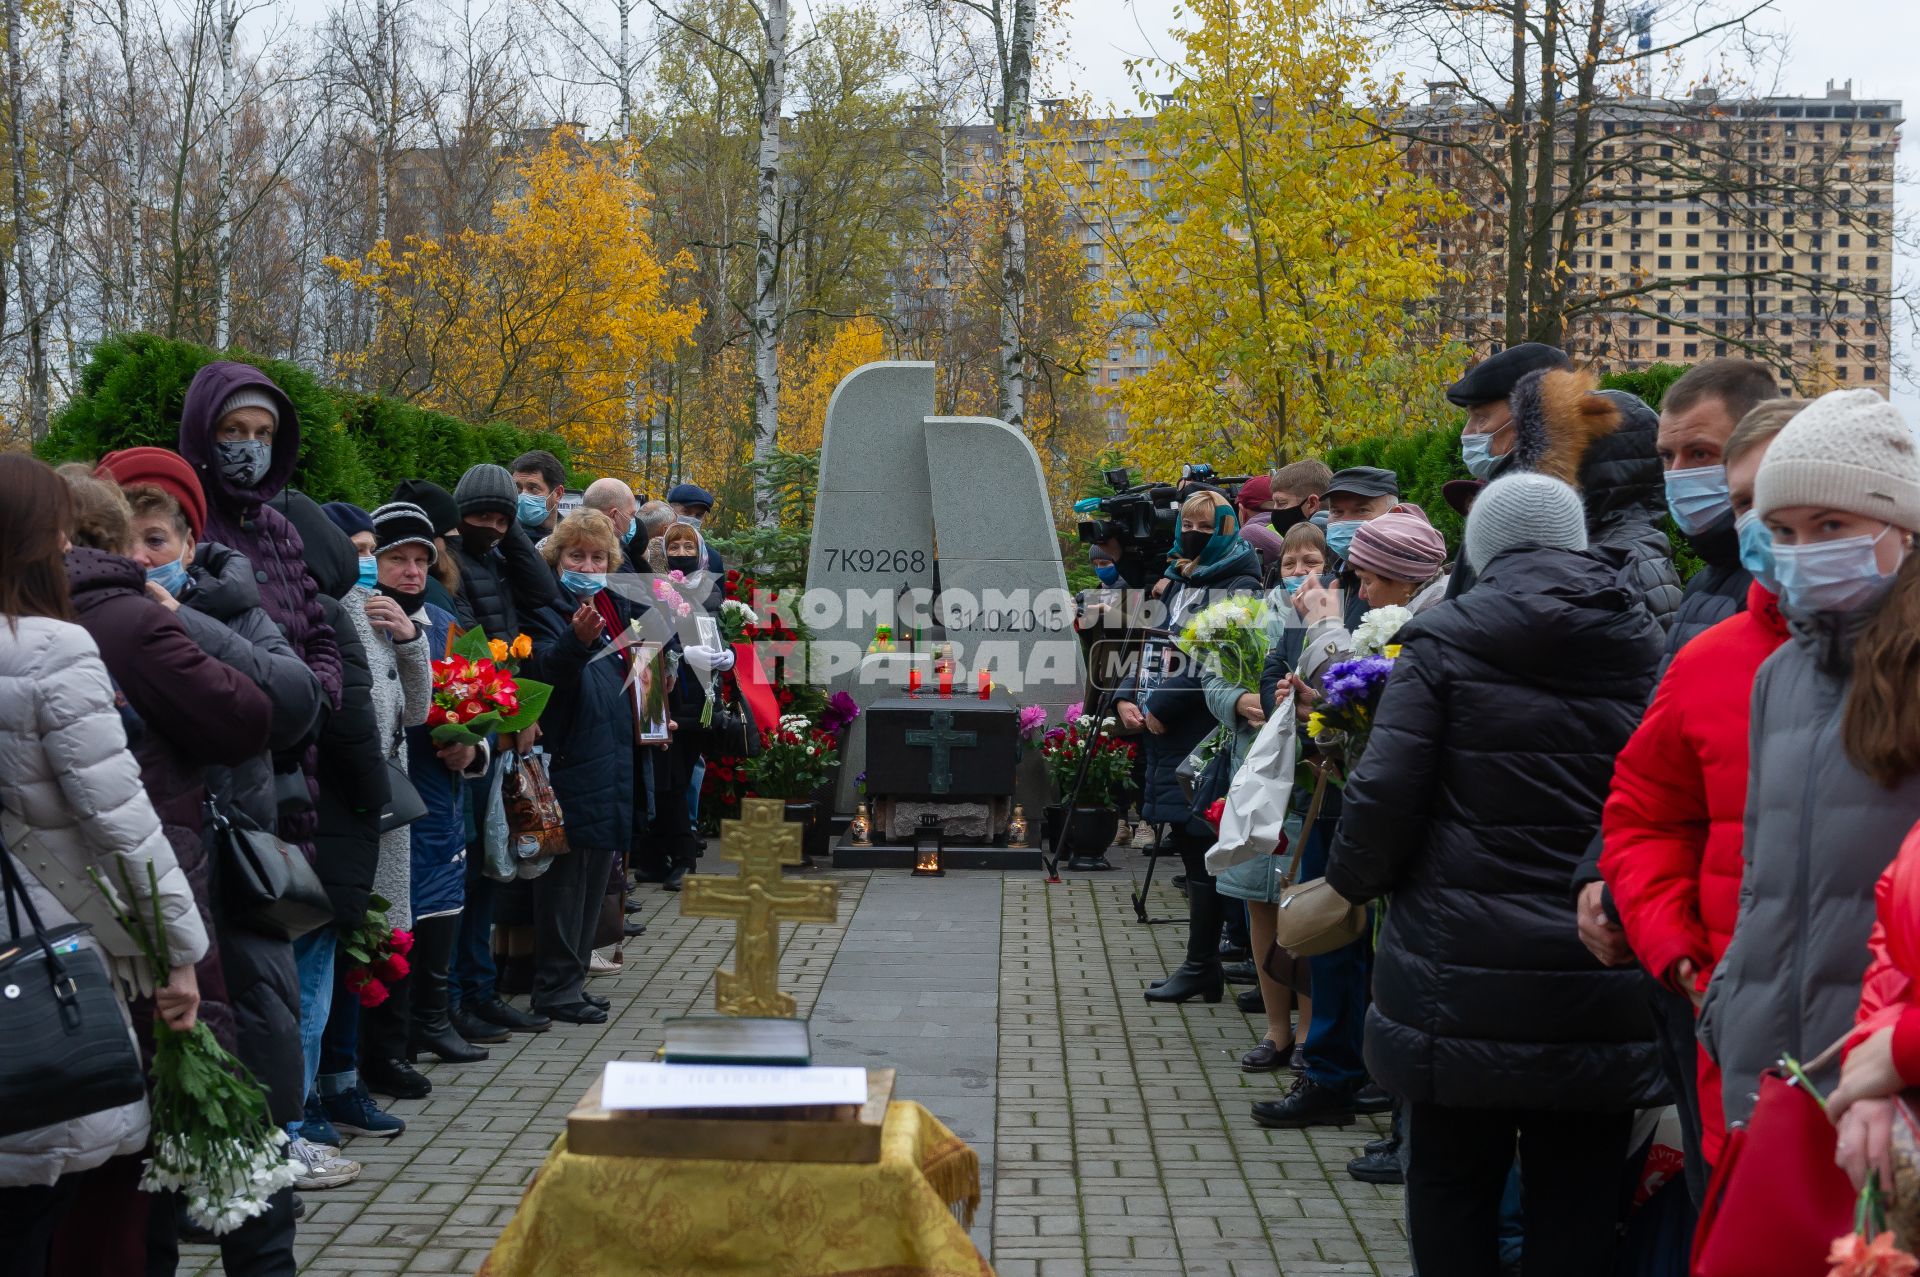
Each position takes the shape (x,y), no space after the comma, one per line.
(1199,976)
(395,1077)
(1193,980)
(433,940)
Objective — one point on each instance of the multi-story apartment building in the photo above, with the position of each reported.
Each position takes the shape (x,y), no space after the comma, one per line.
(1718,226)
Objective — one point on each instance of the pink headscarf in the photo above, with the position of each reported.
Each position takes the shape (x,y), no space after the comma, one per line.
(1399,545)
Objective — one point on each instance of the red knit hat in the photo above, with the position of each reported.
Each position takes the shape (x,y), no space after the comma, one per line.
(167,471)
(1401,545)
(1254,493)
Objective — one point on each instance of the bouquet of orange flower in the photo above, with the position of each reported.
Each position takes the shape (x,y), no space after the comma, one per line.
(476,691)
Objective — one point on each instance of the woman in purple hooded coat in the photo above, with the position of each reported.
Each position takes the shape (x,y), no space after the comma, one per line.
(240,433)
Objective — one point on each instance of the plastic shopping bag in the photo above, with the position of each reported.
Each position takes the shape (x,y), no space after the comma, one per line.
(1253,821)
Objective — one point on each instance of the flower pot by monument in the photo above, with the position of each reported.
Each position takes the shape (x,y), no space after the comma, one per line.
(1090,831)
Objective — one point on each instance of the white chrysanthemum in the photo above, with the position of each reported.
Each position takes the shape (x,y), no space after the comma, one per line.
(1378,628)
(740,611)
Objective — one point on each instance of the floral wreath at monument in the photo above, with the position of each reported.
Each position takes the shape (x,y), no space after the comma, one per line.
(774,635)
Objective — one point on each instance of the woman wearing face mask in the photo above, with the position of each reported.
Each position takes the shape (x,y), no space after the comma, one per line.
(1834,778)
(1398,560)
(1166,700)
(591,731)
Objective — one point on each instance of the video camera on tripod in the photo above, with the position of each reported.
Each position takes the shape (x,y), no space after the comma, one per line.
(1145,517)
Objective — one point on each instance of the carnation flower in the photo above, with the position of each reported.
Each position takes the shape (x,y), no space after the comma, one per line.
(1377,628)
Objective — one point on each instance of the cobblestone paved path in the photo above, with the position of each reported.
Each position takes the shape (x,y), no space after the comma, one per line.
(1113,1133)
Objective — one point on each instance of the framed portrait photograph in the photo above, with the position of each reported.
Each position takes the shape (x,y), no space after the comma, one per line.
(648,681)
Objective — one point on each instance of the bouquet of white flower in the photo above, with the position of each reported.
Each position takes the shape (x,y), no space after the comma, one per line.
(1377,629)
(214,1142)
(1230,639)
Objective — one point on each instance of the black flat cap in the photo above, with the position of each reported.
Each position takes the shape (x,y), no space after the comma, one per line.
(1365,481)
(1493,378)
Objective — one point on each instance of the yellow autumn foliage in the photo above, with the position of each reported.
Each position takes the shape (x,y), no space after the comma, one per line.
(550,319)
(809,375)
(1275,258)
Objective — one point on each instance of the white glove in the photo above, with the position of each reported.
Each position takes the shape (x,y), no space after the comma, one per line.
(709,659)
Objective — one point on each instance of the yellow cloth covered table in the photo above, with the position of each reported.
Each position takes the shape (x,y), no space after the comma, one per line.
(660,1217)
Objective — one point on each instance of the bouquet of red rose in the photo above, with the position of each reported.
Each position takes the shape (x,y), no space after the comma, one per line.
(476,692)
(378,955)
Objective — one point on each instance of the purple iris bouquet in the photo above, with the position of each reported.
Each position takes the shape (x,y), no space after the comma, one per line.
(1349,698)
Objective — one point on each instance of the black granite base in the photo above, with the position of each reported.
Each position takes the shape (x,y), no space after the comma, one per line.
(883,855)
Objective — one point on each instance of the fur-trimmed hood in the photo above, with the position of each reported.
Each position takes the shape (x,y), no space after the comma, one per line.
(1601,441)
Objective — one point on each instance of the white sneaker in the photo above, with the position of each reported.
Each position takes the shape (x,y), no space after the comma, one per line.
(316,1166)
(598,965)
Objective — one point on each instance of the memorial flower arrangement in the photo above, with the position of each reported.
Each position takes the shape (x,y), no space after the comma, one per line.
(1230,639)
(476,692)
(1349,699)
(1033,722)
(795,758)
(838,715)
(377,954)
(213,1141)
(1109,758)
(778,642)
(736,621)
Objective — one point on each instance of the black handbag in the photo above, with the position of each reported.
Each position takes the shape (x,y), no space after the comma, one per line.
(404,804)
(266,884)
(65,1046)
(1215,779)
(732,733)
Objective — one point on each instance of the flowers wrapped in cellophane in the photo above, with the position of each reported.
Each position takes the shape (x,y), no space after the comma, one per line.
(1229,638)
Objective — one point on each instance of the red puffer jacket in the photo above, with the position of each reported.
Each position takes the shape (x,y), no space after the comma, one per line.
(1674,821)
(1890,993)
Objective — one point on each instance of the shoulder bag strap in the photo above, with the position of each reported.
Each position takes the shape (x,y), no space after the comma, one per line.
(16,889)
(1313,815)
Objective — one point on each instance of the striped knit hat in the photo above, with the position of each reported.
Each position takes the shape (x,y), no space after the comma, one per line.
(1400,545)
(1847,450)
(249,397)
(400,523)
(1524,509)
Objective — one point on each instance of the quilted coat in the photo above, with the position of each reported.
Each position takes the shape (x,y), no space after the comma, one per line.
(1674,822)
(500,588)
(1819,833)
(241,519)
(73,800)
(1480,788)
(1890,994)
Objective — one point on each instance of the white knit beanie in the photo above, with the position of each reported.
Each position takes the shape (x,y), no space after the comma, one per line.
(1847,450)
(249,397)
(1524,509)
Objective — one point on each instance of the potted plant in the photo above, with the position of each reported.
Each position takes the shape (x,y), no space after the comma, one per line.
(1095,816)
(795,759)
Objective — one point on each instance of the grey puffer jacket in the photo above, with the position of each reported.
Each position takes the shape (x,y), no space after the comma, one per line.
(1819,832)
(402,694)
(73,800)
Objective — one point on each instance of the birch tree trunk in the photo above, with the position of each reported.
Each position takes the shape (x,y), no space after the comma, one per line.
(130,173)
(223,161)
(1013,195)
(386,108)
(765,314)
(25,242)
(60,267)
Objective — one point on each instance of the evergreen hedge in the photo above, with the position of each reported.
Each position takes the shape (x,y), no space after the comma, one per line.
(353,447)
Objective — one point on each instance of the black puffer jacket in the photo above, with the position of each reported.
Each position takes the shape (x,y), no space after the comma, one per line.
(1717,591)
(353,766)
(223,614)
(1481,788)
(500,588)
(1178,701)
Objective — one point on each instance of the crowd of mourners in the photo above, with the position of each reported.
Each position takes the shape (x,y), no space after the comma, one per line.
(1626,841)
(192,646)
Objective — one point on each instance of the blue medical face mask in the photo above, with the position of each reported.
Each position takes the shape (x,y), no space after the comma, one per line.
(1697,496)
(1108,574)
(171,577)
(583,583)
(1476,453)
(1832,576)
(1756,550)
(626,538)
(369,572)
(531,510)
(1292,583)
(1340,536)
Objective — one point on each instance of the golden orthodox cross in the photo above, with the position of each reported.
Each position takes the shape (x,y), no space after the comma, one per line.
(758,899)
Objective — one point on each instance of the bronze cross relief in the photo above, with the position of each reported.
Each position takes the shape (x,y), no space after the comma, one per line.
(941,738)
(758,899)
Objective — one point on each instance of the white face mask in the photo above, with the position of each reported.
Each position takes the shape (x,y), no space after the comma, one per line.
(1832,576)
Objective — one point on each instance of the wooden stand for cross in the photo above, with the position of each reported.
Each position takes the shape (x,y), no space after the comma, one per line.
(757,900)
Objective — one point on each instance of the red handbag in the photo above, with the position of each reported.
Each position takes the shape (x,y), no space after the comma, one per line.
(1776,1201)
